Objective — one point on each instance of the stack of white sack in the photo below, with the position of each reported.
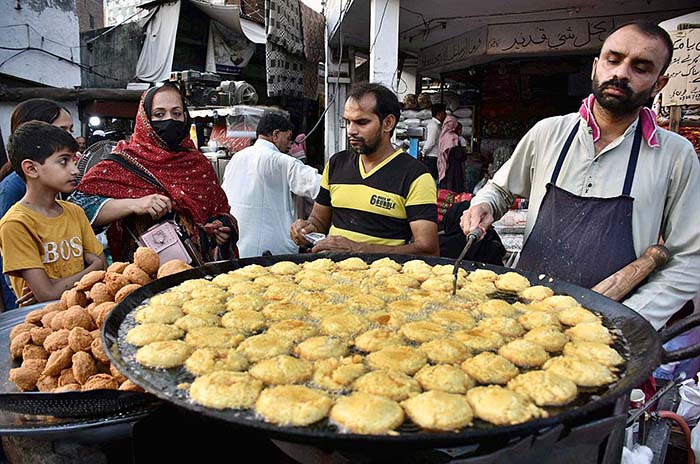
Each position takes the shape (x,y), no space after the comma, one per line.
(466,118)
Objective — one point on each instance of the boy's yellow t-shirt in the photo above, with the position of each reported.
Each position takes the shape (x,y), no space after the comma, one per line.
(29,240)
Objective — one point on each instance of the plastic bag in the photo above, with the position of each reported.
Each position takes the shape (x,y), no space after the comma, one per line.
(689,406)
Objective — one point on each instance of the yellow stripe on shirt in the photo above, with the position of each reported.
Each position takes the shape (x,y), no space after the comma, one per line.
(363,238)
(365,198)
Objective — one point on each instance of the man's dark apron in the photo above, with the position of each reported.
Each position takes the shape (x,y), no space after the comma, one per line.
(582,240)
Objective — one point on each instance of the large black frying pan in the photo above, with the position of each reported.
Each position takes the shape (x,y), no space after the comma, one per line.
(638,341)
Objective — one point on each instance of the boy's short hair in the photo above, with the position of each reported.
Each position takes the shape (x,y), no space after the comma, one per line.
(36,141)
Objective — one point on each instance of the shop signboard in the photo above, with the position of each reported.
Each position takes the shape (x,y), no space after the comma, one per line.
(548,36)
(683,86)
(455,51)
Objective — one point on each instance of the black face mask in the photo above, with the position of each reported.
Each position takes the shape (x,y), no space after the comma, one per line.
(172,131)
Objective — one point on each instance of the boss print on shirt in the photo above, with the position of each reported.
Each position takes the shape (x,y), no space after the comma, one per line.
(65,249)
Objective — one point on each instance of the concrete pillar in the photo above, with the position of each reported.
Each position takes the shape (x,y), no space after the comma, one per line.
(384,42)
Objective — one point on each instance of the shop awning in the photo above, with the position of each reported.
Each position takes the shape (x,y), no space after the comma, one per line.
(230,16)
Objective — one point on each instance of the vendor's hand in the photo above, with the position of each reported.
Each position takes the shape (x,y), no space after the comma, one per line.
(26,298)
(298,229)
(336,243)
(477,216)
(155,205)
(222,235)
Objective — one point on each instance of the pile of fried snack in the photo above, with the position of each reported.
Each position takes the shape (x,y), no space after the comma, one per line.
(368,345)
(59,346)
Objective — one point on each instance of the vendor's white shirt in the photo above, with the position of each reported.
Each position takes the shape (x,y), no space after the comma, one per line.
(259,182)
(666,192)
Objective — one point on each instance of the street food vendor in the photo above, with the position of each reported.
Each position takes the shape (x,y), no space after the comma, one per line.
(373,198)
(605,182)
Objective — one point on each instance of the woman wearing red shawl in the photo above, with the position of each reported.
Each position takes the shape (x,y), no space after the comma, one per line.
(450,175)
(114,196)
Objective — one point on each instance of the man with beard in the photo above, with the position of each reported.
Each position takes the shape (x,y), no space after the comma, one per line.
(373,198)
(604,183)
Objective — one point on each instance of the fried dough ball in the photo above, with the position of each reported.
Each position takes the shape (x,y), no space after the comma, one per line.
(352,264)
(444,377)
(25,377)
(165,354)
(505,326)
(390,384)
(136,275)
(46,319)
(341,292)
(437,284)
(590,332)
(117,267)
(39,335)
(386,293)
(488,368)
(18,343)
(100,312)
(343,325)
(544,388)
(351,278)
(67,388)
(438,410)
(501,406)
(532,319)
(482,274)
(576,315)
(114,282)
(100,293)
(90,279)
(170,298)
(379,275)
(310,274)
(172,267)
(46,383)
(294,330)
(386,262)
(323,264)
(58,360)
(125,291)
(445,350)
(246,301)
(584,373)
(283,311)
(559,302)
(549,337)
(284,268)
(209,292)
(148,333)
(366,414)
(405,306)
(399,358)
(524,353)
(322,347)
(224,389)
(79,339)
(316,283)
(376,339)
(83,367)
(422,331)
(536,293)
(203,306)
(34,317)
(214,337)
(98,351)
(57,321)
(56,340)
(151,314)
(116,374)
(100,382)
(228,279)
(75,316)
(192,321)
(147,259)
(268,280)
(512,282)
(494,308)
(75,297)
(21,328)
(207,360)
(128,385)
(365,303)
(243,320)
(598,352)
(336,374)
(479,339)
(293,405)
(282,370)
(34,352)
(66,377)
(263,346)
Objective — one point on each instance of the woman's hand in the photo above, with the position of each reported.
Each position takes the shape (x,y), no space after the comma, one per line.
(220,232)
(155,205)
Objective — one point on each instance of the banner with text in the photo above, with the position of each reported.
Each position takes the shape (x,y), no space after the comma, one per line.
(683,86)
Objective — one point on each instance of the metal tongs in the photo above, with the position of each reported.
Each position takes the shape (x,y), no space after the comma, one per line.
(473,236)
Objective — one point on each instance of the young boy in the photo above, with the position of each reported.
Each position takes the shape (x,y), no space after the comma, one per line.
(47,244)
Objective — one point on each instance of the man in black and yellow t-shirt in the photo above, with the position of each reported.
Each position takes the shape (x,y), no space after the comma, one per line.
(373,198)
